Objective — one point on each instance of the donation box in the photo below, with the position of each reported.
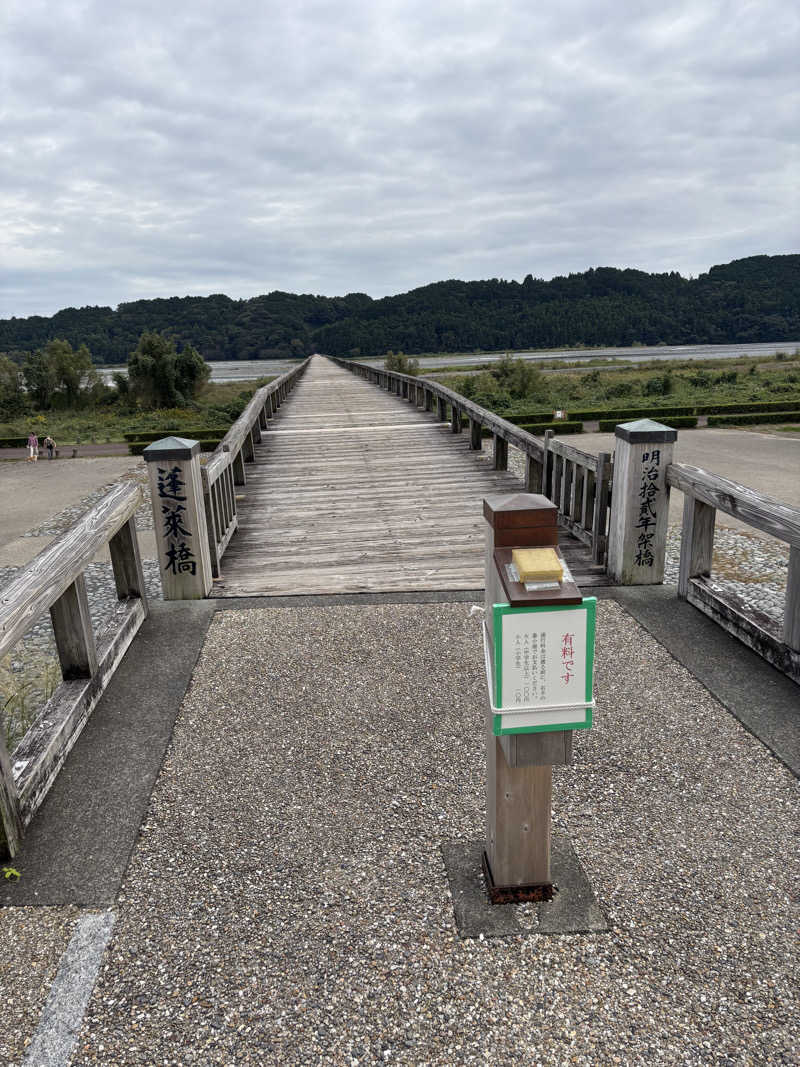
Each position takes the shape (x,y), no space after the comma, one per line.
(539,629)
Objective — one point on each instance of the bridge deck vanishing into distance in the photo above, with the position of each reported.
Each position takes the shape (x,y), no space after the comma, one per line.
(354,490)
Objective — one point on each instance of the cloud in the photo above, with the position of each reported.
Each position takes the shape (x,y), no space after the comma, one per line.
(152,150)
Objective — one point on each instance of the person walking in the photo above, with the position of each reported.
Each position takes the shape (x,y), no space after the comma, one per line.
(50,445)
(33,447)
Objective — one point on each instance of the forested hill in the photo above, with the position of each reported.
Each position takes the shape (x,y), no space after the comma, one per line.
(755,299)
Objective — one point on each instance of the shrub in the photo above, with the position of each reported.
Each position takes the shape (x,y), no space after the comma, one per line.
(400,363)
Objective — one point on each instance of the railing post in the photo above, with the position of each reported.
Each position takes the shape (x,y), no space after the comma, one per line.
(637,537)
(441,409)
(547,467)
(475,434)
(176,493)
(697,542)
(500,453)
(248,447)
(597,494)
(791,610)
(455,419)
(213,523)
(429,400)
(72,627)
(11,829)
(126,563)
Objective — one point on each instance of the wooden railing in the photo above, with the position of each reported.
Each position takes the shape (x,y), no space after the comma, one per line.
(55,580)
(577,482)
(226,467)
(704,495)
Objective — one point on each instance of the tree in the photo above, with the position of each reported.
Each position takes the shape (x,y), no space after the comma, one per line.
(56,375)
(399,362)
(160,377)
(73,371)
(40,379)
(12,392)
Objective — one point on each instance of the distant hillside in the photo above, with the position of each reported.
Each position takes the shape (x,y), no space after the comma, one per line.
(755,299)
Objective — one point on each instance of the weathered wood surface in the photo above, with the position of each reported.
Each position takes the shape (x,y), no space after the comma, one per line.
(705,493)
(751,626)
(265,397)
(355,489)
(55,580)
(756,509)
(56,567)
(42,751)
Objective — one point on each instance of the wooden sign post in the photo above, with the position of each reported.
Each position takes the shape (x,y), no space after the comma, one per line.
(176,493)
(637,535)
(539,646)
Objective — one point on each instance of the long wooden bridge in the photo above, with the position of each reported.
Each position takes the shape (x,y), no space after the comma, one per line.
(340,478)
(353,490)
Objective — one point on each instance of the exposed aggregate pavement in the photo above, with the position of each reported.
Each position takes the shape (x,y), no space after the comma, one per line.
(304,917)
(287,900)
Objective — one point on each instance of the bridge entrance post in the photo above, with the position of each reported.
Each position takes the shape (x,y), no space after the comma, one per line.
(637,533)
(179,519)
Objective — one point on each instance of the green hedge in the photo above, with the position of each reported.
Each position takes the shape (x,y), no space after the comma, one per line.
(753,418)
(791,403)
(518,417)
(197,434)
(136,448)
(675,422)
(14,442)
(558,427)
(652,411)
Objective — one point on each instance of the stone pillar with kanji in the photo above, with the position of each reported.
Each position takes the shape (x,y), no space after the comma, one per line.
(637,533)
(176,492)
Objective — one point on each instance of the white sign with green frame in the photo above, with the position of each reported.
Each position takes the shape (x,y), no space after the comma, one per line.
(541,677)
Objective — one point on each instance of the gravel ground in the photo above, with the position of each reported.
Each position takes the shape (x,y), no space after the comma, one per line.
(34,939)
(287,900)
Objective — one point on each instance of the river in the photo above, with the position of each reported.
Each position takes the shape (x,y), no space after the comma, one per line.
(247,370)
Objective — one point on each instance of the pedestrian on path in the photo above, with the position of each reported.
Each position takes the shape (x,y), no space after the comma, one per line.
(50,445)
(33,447)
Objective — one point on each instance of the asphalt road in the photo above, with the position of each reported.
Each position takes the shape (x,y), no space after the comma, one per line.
(767,462)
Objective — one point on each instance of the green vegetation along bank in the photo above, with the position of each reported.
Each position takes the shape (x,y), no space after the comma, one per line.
(524,393)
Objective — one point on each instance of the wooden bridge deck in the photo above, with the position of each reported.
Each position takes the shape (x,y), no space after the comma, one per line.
(354,490)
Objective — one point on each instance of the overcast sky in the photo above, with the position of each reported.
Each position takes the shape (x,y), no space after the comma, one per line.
(173,148)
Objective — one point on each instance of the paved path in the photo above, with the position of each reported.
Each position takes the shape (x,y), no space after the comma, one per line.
(286,900)
(242,860)
(766,462)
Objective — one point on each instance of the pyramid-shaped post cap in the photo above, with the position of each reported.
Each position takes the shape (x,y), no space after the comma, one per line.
(646,430)
(171,448)
(519,510)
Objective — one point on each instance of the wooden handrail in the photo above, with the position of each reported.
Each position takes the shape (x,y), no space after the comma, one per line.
(578,482)
(55,580)
(39,585)
(756,509)
(225,467)
(705,494)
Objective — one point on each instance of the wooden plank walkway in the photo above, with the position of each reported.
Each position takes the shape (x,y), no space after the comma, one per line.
(354,490)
